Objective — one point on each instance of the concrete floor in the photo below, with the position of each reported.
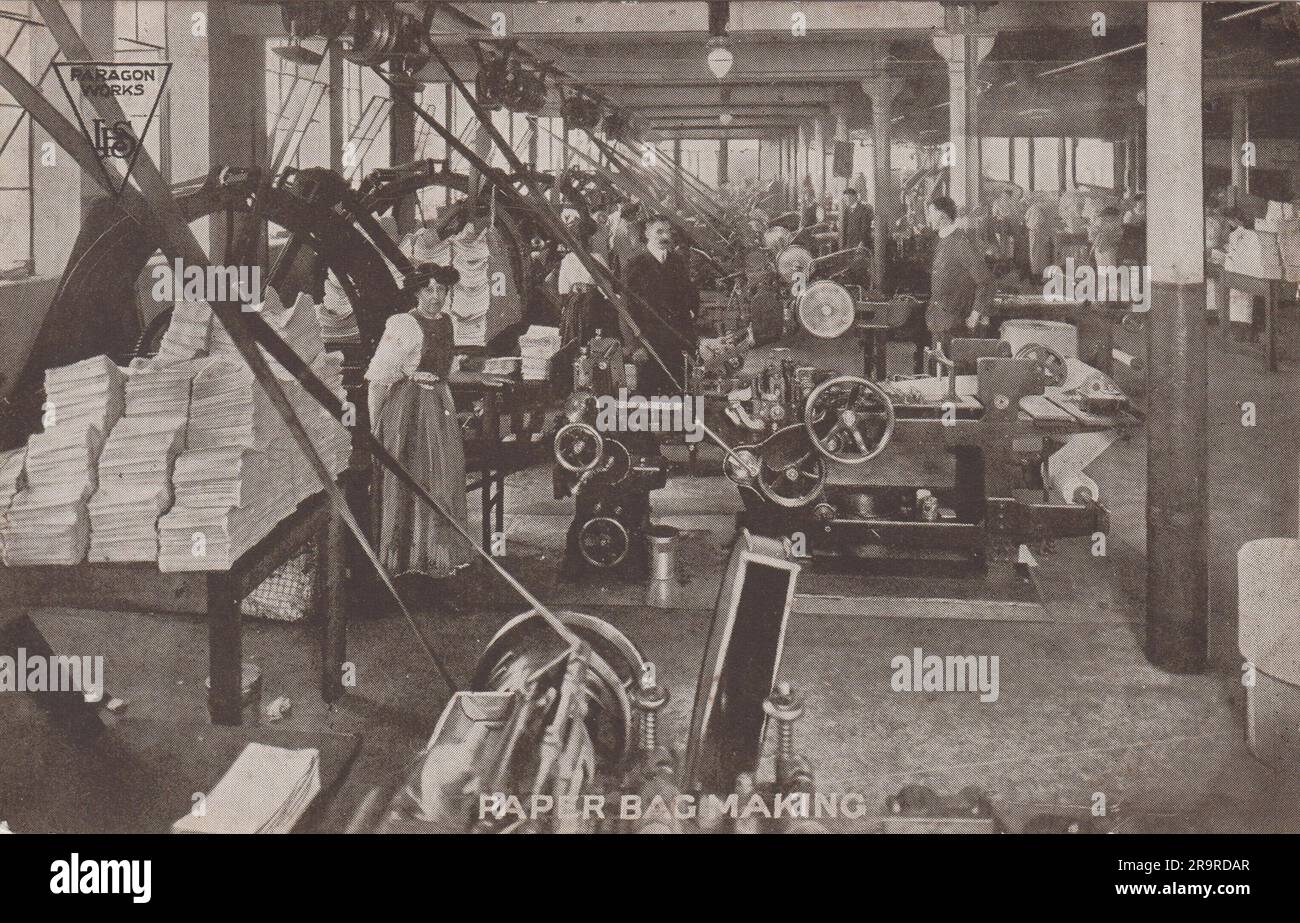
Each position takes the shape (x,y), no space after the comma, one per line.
(1080,711)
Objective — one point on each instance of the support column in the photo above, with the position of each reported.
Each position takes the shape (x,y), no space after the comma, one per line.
(723,166)
(189,91)
(401,149)
(882,93)
(677,173)
(483,148)
(56,188)
(819,157)
(237,117)
(1240,129)
(1177,589)
(841,137)
(533,132)
(801,161)
(963,54)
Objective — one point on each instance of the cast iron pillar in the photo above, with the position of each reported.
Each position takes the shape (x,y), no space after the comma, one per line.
(1177,597)
(882,93)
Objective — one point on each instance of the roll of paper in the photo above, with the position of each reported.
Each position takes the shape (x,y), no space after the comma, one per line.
(1058,336)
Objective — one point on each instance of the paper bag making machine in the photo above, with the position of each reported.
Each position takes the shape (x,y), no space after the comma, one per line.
(967,464)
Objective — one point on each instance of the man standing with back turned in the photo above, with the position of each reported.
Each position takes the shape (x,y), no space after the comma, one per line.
(961,285)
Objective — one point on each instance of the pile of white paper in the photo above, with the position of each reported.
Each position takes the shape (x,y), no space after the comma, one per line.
(227,494)
(11,482)
(134,487)
(242,472)
(88,393)
(536,347)
(267,790)
(187,334)
(48,521)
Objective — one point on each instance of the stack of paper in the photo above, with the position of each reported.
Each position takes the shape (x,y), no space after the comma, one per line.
(298,326)
(537,346)
(220,343)
(227,497)
(187,334)
(134,487)
(227,408)
(11,482)
(161,390)
(265,791)
(88,393)
(332,439)
(48,522)
(337,319)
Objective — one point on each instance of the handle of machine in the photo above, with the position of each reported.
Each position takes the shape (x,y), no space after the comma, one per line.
(941,361)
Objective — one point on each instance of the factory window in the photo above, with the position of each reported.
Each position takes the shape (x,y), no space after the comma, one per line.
(141,36)
(429,145)
(701,158)
(366,107)
(297,107)
(1094,163)
(1020,162)
(995,158)
(1047,164)
(742,162)
(16,245)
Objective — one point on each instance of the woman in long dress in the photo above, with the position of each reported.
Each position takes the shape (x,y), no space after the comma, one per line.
(413,416)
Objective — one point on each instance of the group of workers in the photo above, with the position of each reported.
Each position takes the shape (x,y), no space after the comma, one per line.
(410,400)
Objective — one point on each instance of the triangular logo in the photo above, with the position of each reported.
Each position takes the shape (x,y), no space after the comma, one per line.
(137,87)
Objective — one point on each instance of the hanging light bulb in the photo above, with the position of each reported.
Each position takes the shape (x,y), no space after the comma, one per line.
(720,58)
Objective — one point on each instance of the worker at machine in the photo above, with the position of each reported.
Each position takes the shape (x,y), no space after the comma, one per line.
(1106,233)
(855,221)
(664,303)
(625,237)
(586,310)
(961,285)
(855,235)
(1042,221)
(413,415)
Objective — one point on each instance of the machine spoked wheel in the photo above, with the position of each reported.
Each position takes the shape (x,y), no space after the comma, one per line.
(849,419)
(1049,360)
(795,485)
(603,542)
(526,644)
(578,447)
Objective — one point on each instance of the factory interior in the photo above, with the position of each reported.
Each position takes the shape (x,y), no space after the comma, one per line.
(422,416)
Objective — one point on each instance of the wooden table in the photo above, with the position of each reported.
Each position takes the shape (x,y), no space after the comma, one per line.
(493,455)
(141,587)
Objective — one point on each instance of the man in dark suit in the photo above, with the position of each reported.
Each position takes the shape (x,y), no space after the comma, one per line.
(855,234)
(855,221)
(961,285)
(664,303)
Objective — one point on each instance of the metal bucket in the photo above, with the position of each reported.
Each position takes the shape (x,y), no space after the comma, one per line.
(663,552)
